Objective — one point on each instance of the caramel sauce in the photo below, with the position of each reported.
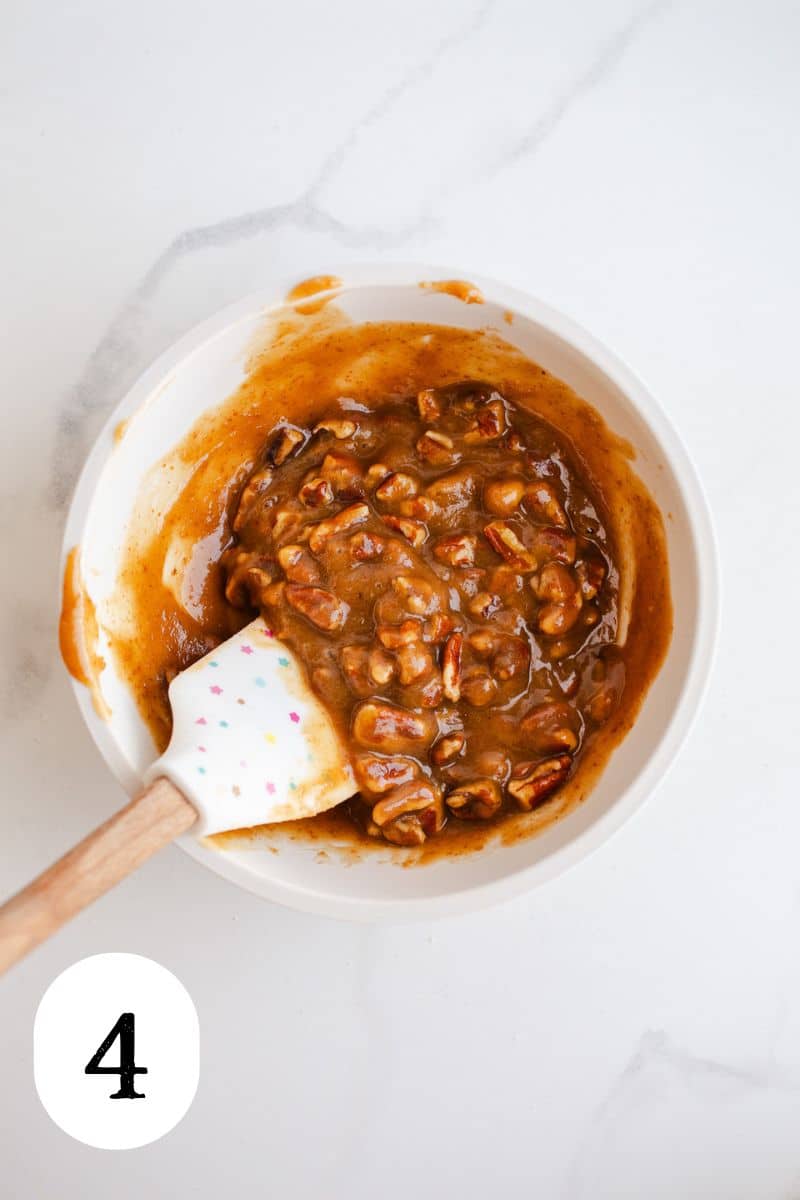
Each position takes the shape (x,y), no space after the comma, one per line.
(120,429)
(170,588)
(460,288)
(312,287)
(78,634)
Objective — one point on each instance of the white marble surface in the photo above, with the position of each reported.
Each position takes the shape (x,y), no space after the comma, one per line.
(634,1028)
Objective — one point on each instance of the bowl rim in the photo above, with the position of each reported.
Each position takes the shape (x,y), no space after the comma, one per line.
(687,706)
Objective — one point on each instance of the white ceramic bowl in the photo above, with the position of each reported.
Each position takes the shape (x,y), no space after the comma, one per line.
(206,366)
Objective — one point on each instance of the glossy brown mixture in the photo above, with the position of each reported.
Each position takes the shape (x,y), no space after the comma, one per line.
(474,576)
(441,569)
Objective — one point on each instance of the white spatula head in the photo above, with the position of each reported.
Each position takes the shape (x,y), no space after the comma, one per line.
(251,744)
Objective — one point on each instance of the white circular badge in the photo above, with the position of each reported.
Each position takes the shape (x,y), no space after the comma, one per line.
(116,1051)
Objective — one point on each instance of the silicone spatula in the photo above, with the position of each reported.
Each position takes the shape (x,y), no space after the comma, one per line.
(251,745)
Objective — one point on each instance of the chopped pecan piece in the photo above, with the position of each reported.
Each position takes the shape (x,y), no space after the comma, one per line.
(591,573)
(550,542)
(467,395)
(365,668)
(397,554)
(288,441)
(478,800)
(405,831)
(506,581)
(348,518)
(550,728)
(484,604)
(511,658)
(397,486)
(272,595)
(469,581)
(406,798)
(429,405)
(484,642)
(555,583)
(436,448)
(248,578)
(510,654)
(297,564)
(479,689)
(504,540)
(489,423)
(392,729)
(381,666)
(319,606)
(417,596)
(328,684)
(555,620)
(447,748)
(377,774)
(286,524)
(344,473)
(256,485)
(457,550)
(355,668)
(414,531)
(437,628)
(503,495)
(376,474)
(451,666)
(364,546)
(453,491)
(341,428)
(531,783)
(543,503)
(413,828)
(421,508)
(390,608)
(514,442)
(395,636)
(316,492)
(426,695)
(414,663)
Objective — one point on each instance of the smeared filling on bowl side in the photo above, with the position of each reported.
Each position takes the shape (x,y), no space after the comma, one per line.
(453,544)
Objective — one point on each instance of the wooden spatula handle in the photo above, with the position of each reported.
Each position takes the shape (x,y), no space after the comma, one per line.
(152,819)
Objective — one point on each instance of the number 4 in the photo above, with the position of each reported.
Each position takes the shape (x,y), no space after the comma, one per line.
(125,1030)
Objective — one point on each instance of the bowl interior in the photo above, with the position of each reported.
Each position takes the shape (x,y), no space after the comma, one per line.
(204,368)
